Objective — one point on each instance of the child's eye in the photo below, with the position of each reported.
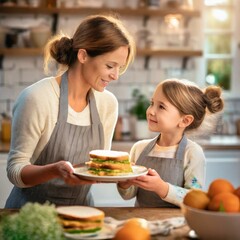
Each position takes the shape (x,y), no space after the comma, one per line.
(109,66)
(151,103)
(161,107)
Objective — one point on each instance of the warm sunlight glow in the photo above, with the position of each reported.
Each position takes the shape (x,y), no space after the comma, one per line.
(220,15)
(215,2)
(210,79)
(173,21)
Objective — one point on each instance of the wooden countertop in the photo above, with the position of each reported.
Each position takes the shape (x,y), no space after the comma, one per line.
(214,142)
(4,147)
(122,213)
(220,142)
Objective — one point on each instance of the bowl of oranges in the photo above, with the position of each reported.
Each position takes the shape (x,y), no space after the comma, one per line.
(215,213)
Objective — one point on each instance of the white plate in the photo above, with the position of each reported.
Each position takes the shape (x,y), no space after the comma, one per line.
(111,225)
(107,232)
(137,171)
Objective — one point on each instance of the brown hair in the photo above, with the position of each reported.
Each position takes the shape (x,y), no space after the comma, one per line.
(97,34)
(188,98)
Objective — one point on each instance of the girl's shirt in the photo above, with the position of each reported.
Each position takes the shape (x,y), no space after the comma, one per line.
(34,116)
(194,169)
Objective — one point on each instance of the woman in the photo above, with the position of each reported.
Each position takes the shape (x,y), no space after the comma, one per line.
(176,164)
(58,120)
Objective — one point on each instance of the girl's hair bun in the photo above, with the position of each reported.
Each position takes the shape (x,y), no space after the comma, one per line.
(213,99)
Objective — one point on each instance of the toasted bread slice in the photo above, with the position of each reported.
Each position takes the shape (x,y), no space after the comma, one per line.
(81,213)
(109,155)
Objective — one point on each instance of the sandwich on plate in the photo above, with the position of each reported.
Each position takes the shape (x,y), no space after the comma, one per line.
(109,163)
(80,219)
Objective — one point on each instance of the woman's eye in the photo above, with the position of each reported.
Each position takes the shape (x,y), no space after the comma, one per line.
(109,66)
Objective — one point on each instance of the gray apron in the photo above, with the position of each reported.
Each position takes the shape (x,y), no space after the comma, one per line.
(170,170)
(70,143)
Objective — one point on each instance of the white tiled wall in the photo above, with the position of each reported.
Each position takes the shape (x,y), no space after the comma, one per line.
(19,72)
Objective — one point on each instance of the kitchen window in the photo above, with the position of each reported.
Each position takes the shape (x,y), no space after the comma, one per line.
(219,42)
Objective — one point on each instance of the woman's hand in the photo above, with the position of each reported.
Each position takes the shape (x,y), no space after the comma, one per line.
(33,175)
(152,182)
(65,171)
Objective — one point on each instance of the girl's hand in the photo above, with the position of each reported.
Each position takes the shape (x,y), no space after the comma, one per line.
(152,182)
(125,184)
(65,171)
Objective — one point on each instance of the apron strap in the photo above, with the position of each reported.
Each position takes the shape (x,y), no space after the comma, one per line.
(148,148)
(63,102)
(63,106)
(181,148)
(95,119)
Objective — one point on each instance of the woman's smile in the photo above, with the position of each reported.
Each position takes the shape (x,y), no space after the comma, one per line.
(105,83)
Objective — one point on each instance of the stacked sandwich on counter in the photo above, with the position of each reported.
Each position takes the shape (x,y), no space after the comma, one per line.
(81,219)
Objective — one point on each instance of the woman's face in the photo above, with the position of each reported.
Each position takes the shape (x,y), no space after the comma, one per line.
(99,71)
(162,116)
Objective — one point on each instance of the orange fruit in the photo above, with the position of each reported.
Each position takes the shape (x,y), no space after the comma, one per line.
(224,202)
(133,229)
(137,222)
(237,192)
(218,186)
(196,198)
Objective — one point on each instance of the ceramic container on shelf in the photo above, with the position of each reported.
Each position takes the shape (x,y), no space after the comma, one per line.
(3,33)
(6,128)
(39,35)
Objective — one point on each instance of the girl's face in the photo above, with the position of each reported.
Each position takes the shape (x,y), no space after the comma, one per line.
(162,116)
(99,71)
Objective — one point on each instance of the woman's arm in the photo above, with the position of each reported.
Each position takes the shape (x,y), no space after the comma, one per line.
(33,174)
(34,117)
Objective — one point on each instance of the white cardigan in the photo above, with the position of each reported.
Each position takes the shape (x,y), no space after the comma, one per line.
(35,115)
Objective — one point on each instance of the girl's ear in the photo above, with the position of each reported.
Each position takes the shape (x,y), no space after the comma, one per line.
(186,121)
(82,55)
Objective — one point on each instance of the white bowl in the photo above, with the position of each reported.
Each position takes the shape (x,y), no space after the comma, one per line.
(212,225)
(39,36)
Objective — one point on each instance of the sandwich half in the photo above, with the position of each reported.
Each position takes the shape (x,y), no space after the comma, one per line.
(80,219)
(109,163)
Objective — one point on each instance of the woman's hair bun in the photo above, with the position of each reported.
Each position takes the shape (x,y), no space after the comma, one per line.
(61,50)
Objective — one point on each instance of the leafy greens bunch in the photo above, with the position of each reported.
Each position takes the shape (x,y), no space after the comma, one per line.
(33,222)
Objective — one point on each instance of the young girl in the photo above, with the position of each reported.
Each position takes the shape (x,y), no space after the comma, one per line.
(176,164)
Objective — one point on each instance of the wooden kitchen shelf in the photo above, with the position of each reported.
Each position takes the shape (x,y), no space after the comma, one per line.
(143,11)
(170,52)
(21,52)
(173,52)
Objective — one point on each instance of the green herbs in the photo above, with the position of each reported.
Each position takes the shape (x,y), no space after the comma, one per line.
(95,160)
(33,222)
(141,103)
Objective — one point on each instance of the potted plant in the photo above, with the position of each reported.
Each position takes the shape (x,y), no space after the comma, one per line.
(138,110)
(140,106)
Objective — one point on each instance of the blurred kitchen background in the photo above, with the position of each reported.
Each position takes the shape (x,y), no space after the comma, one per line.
(197,40)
